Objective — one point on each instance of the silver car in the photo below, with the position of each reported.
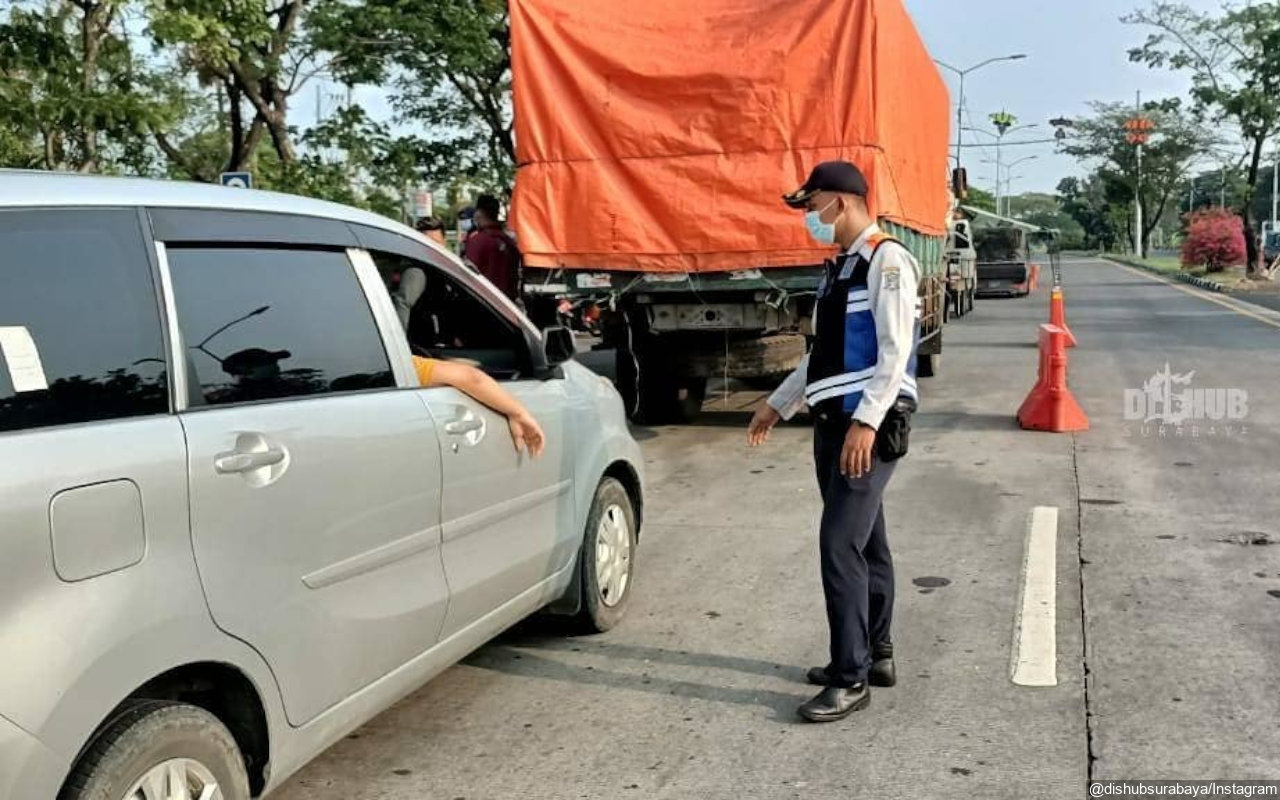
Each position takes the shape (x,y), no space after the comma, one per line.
(232,526)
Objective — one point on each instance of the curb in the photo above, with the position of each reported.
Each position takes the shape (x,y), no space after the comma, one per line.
(1203,283)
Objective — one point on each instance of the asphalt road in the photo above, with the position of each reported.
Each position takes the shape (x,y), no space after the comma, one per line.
(1164,643)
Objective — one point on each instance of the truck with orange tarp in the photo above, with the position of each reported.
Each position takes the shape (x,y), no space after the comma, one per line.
(654,141)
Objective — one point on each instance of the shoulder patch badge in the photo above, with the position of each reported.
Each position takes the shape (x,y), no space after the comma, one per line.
(890,277)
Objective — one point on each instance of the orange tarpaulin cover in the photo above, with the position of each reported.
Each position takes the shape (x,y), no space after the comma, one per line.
(659,135)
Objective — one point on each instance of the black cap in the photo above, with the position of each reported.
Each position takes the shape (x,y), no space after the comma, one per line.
(829,176)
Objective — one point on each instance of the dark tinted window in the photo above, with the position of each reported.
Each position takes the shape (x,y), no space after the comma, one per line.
(449,321)
(261,324)
(76,292)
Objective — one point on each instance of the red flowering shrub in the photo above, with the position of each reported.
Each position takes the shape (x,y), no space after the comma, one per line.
(1215,240)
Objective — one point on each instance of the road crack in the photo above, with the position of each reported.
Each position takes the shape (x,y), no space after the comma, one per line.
(1089,720)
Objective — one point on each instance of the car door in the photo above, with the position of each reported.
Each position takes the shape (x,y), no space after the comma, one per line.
(315,479)
(508,519)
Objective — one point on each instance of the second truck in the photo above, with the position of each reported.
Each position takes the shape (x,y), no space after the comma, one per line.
(654,142)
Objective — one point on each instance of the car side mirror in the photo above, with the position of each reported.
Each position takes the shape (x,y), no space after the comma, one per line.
(558,345)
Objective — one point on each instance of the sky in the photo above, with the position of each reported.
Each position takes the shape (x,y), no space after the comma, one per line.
(1077,52)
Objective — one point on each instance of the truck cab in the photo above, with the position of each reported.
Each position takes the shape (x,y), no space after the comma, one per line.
(961,265)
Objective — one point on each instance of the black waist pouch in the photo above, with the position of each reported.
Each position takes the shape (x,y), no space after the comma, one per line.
(892,438)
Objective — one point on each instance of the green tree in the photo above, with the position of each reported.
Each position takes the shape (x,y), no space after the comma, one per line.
(1046,211)
(1176,141)
(1086,202)
(350,159)
(252,55)
(449,62)
(1234,61)
(981,198)
(73,94)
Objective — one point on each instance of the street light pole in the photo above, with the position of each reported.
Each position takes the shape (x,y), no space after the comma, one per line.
(1008,184)
(999,138)
(960,100)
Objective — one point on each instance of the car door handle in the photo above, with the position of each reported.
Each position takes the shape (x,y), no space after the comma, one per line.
(462,427)
(236,462)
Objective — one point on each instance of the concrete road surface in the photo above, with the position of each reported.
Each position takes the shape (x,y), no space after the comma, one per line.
(1163,649)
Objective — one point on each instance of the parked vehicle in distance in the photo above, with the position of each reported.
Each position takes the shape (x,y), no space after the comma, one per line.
(1003,261)
(961,259)
(1270,242)
(234,527)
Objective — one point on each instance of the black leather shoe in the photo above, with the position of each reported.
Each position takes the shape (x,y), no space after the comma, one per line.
(818,676)
(835,703)
(882,671)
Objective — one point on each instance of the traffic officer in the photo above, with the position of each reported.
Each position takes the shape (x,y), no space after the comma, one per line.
(859,382)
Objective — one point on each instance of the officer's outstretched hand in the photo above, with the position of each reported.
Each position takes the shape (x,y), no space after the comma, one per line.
(855,458)
(761,425)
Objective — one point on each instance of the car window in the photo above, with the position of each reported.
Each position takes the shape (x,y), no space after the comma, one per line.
(445,319)
(80,323)
(262,324)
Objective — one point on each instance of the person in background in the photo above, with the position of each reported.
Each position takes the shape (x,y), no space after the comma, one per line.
(492,250)
(433,229)
(466,227)
(525,431)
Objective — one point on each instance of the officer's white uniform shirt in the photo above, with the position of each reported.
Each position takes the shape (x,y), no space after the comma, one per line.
(893,281)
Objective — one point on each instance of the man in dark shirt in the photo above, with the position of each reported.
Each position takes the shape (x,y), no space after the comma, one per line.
(491,250)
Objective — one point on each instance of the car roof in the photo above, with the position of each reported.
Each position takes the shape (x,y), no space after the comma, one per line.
(33,189)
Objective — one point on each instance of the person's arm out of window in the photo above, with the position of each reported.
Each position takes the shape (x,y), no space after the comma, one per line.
(525,431)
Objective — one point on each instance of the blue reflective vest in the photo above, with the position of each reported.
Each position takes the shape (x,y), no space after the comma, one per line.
(845,346)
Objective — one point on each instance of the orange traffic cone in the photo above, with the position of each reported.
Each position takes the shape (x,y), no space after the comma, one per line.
(1050,406)
(1058,315)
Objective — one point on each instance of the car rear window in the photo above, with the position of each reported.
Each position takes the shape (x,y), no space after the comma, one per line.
(80,332)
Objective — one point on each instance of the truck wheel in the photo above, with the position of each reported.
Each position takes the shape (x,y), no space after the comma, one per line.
(607,559)
(926,364)
(160,749)
(656,396)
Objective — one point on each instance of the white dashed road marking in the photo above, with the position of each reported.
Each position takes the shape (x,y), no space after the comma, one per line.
(1035,645)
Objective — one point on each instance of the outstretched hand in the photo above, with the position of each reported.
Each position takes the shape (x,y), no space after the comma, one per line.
(527,434)
(762,424)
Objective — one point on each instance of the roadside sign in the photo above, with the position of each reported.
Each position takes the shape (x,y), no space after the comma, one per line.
(237,180)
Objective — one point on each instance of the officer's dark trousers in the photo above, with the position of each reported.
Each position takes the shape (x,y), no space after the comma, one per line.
(857,571)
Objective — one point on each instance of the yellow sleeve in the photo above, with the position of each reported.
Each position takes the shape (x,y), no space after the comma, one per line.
(424,367)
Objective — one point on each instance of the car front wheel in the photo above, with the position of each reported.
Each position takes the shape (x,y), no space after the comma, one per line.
(160,750)
(607,560)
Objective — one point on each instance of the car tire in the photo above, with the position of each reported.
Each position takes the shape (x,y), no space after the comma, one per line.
(163,740)
(610,540)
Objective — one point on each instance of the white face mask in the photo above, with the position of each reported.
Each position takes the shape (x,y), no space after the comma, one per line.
(824,232)
(466,226)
